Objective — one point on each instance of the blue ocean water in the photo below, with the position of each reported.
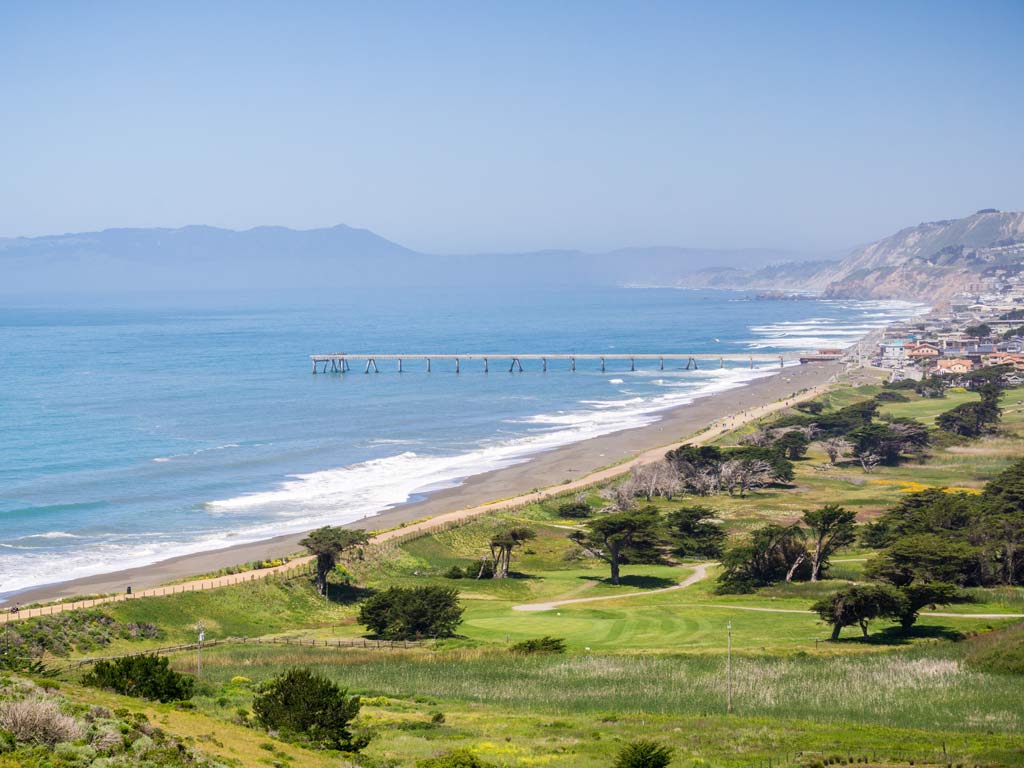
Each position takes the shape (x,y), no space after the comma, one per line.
(131,435)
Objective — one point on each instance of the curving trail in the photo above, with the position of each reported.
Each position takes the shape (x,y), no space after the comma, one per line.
(699,573)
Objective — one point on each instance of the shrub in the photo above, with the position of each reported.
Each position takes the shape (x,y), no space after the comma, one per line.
(406,613)
(544,644)
(643,754)
(107,740)
(574,510)
(901,384)
(73,630)
(38,720)
(455,572)
(457,758)
(309,707)
(145,677)
(74,754)
(890,396)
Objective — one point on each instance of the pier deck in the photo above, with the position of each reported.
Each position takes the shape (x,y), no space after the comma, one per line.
(340,362)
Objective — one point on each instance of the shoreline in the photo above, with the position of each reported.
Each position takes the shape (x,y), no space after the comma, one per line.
(555,471)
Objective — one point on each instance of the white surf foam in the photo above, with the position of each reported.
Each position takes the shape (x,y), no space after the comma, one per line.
(349,493)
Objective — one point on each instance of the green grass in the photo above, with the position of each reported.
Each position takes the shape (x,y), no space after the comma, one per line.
(648,665)
(925,409)
(247,610)
(999,652)
(593,701)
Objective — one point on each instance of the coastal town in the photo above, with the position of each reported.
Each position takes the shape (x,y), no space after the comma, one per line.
(974,331)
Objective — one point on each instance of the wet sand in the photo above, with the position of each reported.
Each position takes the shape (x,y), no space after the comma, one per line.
(574,463)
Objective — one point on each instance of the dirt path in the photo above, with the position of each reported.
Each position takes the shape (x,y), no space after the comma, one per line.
(699,573)
(757,609)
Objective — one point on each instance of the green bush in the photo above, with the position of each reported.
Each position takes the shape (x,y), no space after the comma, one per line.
(455,572)
(407,613)
(146,677)
(62,633)
(574,510)
(544,644)
(890,396)
(457,758)
(643,754)
(309,708)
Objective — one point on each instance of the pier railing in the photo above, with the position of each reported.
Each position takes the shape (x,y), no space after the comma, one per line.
(341,362)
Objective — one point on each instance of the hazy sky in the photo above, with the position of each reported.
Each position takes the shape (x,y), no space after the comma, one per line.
(487,126)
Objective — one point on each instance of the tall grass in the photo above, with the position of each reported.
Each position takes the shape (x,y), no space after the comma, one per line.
(931,689)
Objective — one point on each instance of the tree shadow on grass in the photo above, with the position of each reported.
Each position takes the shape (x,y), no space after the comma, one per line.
(898,636)
(634,580)
(346,594)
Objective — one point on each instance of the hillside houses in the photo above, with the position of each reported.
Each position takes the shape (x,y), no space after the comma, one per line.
(965,338)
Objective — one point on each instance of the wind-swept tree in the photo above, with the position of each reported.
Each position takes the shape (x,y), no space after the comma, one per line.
(835,447)
(970,419)
(658,478)
(926,557)
(831,527)
(772,553)
(918,596)
(745,475)
(793,444)
(327,544)
(620,537)
(694,534)
(858,605)
(621,496)
(502,545)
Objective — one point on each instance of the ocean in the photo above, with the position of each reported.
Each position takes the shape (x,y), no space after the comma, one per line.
(128,436)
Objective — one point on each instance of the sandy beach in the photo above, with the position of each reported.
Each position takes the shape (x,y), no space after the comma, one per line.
(580,464)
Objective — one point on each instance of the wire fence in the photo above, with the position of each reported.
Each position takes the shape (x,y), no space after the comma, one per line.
(941,754)
(361,643)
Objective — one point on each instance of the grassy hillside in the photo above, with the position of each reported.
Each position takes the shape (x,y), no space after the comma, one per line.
(646,658)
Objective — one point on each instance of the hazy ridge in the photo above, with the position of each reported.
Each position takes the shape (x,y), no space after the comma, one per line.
(201,259)
(931,261)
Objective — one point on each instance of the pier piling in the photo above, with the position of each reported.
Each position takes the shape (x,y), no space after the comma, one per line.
(339,362)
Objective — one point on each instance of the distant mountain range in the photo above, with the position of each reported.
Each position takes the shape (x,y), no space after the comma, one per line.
(931,261)
(928,261)
(198,259)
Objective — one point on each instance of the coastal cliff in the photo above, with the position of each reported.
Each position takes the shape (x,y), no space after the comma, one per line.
(932,261)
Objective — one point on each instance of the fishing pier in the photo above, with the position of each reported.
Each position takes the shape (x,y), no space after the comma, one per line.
(341,362)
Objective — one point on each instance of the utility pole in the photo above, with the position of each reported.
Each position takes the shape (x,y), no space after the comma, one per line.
(199,648)
(728,666)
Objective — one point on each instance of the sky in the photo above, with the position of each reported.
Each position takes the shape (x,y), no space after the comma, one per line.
(466,127)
